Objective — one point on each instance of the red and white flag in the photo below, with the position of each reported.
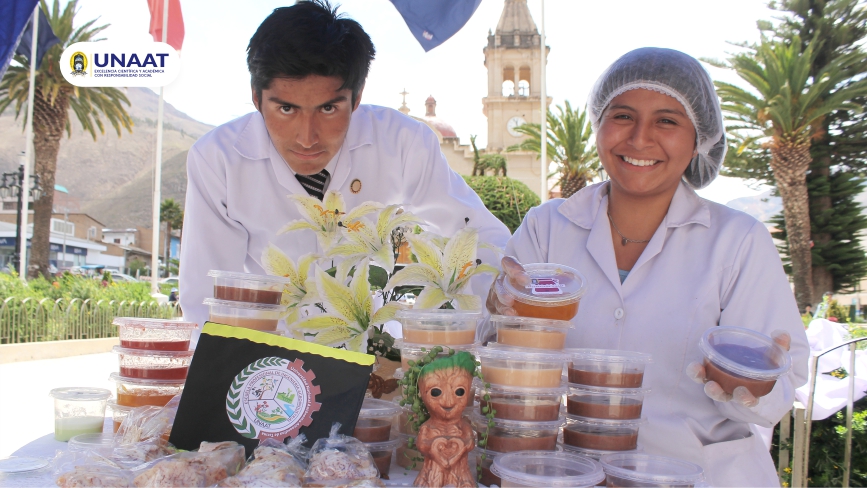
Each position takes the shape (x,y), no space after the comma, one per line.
(175,36)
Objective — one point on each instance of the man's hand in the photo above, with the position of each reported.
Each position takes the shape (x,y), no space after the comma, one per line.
(499,300)
(741,394)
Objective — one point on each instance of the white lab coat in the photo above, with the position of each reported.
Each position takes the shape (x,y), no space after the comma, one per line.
(706,265)
(238,186)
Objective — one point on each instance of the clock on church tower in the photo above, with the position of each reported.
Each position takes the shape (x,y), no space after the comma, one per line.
(514,61)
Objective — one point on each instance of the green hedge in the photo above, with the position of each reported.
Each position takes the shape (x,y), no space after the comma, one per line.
(70,287)
(508,199)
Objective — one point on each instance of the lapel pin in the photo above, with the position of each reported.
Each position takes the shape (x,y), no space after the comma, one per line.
(355,186)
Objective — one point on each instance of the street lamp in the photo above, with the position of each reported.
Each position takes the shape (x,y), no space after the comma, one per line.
(11,185)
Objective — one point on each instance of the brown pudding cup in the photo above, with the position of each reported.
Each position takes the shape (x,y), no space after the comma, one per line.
(515,435)
(548,469)
(382,453)
(376,420)
(639,469)
(601,434)
(605,403)
(518,403)
(249,288)
(734,356)
(531,332)
(605,367)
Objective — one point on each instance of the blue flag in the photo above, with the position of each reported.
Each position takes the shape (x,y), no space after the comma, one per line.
(45,38)
(432,22)
(14,15)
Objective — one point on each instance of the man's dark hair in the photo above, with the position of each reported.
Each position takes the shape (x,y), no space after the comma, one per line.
(309,38)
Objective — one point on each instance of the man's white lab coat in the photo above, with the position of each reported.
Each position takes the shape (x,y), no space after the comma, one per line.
(238,187)
(706,265)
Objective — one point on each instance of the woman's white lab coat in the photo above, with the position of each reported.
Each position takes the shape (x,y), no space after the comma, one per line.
(706,265)
(238,188)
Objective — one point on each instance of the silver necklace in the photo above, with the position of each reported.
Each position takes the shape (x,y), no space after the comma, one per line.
(623,239)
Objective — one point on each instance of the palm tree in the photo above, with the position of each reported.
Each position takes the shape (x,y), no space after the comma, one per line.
(569,147)
(173,215)
(54,96)
(782,111)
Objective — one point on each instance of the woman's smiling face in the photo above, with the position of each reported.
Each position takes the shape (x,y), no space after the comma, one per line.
(645,142)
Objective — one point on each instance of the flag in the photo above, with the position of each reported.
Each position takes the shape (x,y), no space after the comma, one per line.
(45,38)
(175,37)
(432,22)
(14,15)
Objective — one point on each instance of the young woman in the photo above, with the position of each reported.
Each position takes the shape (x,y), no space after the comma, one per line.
(664,265)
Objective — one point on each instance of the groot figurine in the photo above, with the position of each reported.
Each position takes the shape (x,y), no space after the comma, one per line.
(445,439)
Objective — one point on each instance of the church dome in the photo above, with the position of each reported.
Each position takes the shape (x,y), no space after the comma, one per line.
(430,118)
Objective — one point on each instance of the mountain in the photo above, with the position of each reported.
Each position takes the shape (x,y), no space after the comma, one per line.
(762,206)
(112,177)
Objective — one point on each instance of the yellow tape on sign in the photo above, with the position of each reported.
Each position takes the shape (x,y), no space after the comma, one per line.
(221,330)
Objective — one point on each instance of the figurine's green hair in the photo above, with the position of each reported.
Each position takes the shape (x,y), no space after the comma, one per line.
(460,359)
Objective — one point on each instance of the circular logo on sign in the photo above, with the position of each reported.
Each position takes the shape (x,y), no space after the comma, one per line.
(272,397)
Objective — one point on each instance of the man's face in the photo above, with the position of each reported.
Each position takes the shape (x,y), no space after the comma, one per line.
(307,119)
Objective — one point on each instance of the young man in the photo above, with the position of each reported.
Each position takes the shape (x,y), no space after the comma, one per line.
(310,135)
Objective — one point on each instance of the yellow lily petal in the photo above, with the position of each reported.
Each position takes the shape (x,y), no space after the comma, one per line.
(467,302)
(361,210)
(359,288)
(413,274)
(470,273)
(426,253)
(386,313)
(335,294)
(277,263)
(320,322)
(358,343)
(333,200)
(310,207)
(430,298)
(297,225)
(333,337)
(348,249)
(304,263)
(460,251)
(384,257)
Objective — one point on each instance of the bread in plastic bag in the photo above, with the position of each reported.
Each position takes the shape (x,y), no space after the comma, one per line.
(88,469)
(338,460)
(146,423)
(213,463)
(273,464)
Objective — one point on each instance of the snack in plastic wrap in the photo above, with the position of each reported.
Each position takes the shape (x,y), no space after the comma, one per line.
(213,463)
(146,423)
(88,469)
(273,464)
(340,460)
(132,455)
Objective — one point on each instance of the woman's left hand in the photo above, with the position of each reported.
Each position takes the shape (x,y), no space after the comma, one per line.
(740,394)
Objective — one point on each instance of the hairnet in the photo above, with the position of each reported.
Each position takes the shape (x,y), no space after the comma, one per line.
(681,77)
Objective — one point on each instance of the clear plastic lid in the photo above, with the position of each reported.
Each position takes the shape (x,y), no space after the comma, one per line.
(153,323)
(495,350)
(545,468)
(116,377)
(151,353)
(383,446)
(232,275)
(481,421)
(577,419)
(745,352)
(430,314)
(113,405)
(262,307)
(608,355)
(576,389)
(593,453)
(373,408)
(80,394)
(531,322)
(92,442)
(415,348)
(22,464)
(521,390)
(647,468)
(551,284)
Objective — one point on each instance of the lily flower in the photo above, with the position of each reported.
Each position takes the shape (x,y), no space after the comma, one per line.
(324,217)
(300,291)
(444,269)
(364,239)
(349,310)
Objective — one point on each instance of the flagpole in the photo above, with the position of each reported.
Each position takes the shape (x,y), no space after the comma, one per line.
(543,195)
(155,238)
(28,148)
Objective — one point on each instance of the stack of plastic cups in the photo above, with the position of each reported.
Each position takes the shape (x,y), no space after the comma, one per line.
(423,330)
(376,427)
(154,358)
(247,300)
(605,399)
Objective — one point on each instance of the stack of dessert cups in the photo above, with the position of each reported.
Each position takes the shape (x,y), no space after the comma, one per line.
(422,331)
(154,356)
(247,300)
(605,399)
(377,428)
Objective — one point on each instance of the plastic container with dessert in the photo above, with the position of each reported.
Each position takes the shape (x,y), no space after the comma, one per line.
(516,435)
(138,392)
(382,453)
(405,457)
(639,469)
(605,403)
(441,327)
(256,316)
(593,453)
(554,292)
(154,365)
(531,332)
(78,410)
(522,403)
(601,434)
(734,356)
(606,367)
(376,420)
(485,458)
(410,351)
(549,469)
(154,334)
(515,366)
(250,288)
(118,414)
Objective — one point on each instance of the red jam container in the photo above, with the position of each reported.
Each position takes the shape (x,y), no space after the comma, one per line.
(246,287)
(154,334)
(154,365)
(138,392)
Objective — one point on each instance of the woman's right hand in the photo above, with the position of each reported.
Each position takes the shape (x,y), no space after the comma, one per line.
(499,300)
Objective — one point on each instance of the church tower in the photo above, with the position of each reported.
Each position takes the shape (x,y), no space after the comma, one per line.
(514,62)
